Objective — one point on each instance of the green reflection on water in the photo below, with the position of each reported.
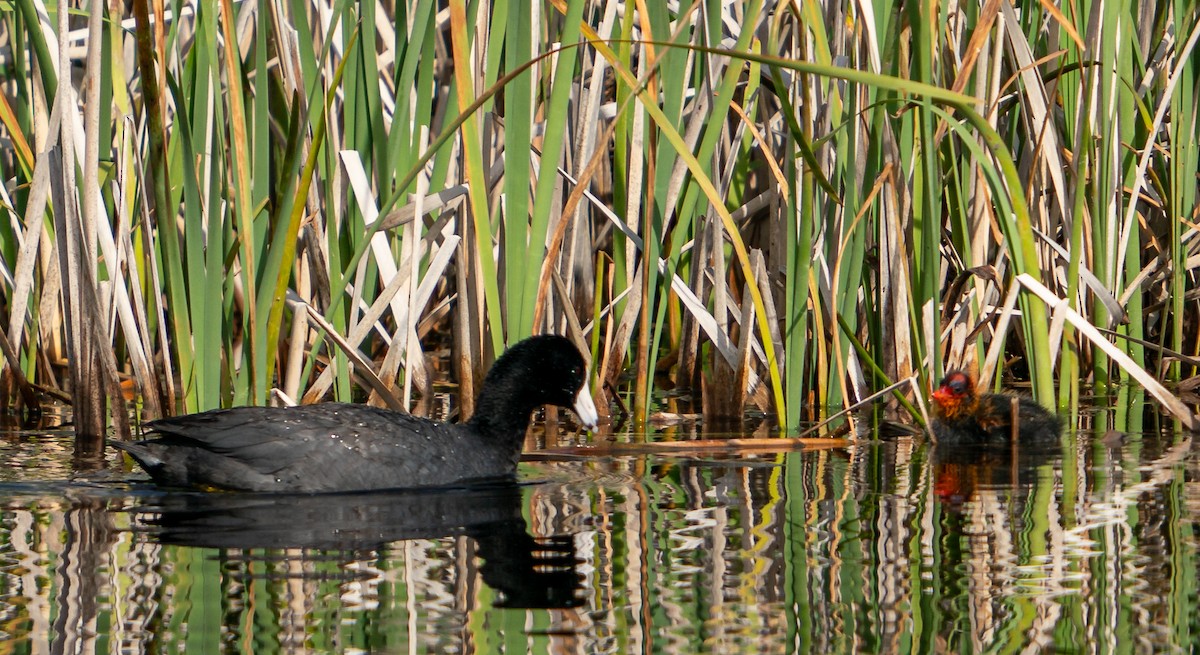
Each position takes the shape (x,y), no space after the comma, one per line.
(886,547)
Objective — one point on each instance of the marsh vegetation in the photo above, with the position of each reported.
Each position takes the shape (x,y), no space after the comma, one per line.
(777,206)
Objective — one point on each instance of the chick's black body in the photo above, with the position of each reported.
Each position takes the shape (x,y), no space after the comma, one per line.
(344,447)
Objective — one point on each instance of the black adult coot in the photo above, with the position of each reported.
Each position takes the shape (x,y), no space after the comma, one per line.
(343,447)
(962,416)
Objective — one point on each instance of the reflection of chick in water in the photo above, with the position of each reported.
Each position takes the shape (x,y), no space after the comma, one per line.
(960,470)
(962,416)
(985,499)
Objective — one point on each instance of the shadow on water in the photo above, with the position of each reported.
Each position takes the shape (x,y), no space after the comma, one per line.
(527,572)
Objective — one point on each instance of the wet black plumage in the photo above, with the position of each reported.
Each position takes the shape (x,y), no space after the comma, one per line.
(963,416)
(346,447)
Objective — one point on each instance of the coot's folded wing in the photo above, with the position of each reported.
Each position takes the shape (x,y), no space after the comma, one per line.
(325,447)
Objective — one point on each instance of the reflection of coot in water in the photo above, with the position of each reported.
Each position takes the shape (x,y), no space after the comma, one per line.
(528,572)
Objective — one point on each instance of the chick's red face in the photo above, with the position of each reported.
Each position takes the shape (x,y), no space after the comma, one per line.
(952,391)
(943,395)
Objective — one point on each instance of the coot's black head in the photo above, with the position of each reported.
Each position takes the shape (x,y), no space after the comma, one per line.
(540,370)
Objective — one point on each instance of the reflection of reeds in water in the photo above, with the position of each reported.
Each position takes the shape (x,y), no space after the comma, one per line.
(84,560)
(28,568)
(824,551)
(692,557)
(58,563)
(136,605)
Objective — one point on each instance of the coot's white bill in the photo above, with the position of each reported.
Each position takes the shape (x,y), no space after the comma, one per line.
(585,408)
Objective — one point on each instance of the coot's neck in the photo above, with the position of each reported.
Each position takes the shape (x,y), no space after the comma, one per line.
(501,412)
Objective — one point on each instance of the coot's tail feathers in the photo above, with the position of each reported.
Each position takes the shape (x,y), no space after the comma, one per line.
(139,452)
(150,457)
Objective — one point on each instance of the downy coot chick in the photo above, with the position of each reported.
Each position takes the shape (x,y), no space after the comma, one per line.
(343,447)
(962,416)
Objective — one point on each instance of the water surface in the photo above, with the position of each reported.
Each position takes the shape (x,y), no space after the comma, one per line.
(885,546)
